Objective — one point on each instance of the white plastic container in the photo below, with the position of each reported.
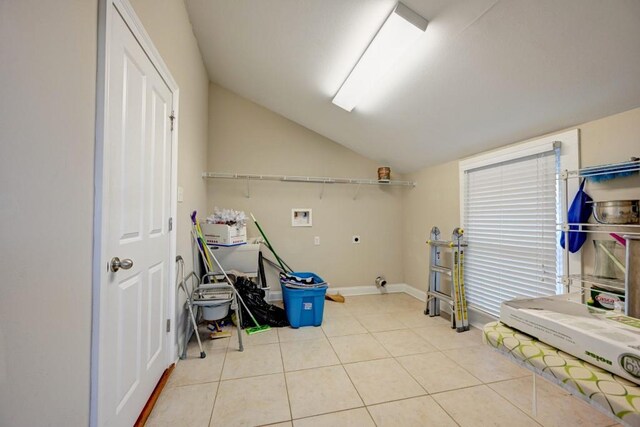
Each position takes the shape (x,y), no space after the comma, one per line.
(216,312)
(243,258)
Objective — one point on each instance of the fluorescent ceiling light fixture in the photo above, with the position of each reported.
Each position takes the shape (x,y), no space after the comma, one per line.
(401,29)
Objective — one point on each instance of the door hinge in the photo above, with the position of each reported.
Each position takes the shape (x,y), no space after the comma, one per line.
(168,325)
(170,224)
(172,117)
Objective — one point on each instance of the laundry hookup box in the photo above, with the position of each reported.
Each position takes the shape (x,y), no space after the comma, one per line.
(223,234)
(604,338)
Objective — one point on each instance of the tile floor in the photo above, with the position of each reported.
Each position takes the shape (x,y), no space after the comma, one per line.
(376,361)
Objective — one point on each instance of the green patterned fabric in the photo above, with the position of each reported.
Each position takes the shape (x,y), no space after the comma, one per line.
(613,395)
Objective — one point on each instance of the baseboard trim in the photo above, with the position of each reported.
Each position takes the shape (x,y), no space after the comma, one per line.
(475,319)
(391,288)
(416,293)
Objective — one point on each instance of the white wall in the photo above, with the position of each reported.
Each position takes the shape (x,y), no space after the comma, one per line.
(247,138)
(47,113)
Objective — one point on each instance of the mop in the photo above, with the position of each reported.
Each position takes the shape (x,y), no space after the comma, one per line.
(208,255)
(283,264)
(288,270)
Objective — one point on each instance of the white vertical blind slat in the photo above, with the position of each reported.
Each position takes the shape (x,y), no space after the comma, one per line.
(510,215)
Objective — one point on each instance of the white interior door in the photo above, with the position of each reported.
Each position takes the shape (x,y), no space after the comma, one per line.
(137,208)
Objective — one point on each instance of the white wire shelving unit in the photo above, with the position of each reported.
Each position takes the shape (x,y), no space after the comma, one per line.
(584,282)
(323,180)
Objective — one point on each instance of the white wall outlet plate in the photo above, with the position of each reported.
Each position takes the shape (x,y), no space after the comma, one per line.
(316,240)
(180,194)
(355,239)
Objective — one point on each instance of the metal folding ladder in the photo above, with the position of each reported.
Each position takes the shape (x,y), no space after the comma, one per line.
(457,300)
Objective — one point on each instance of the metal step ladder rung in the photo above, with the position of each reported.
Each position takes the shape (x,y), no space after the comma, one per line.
(440,269)
(457,300)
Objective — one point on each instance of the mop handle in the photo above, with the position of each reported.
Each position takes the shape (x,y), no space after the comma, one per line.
(232,285)
(280,261)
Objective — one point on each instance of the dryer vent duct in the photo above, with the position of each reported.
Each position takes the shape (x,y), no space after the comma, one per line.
(381,282)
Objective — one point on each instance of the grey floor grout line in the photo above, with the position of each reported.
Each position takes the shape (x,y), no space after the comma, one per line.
(343,364)
(284,375)
(215,398)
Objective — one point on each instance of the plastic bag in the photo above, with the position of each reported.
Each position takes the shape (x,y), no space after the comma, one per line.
(265,313)
(579,212)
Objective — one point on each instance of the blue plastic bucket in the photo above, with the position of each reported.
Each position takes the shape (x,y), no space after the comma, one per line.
(304,307)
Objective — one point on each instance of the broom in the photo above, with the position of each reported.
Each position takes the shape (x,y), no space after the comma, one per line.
(273,251)
(210,256)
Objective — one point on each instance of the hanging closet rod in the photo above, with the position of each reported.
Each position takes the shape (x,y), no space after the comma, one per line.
(309,179)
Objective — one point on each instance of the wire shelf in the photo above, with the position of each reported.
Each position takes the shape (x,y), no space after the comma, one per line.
(622,229)
(632,165)
(307,179)
(612,285)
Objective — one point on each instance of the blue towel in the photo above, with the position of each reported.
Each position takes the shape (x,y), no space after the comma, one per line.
(579,212)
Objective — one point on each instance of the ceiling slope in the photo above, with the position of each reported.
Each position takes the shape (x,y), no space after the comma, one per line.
(485,73)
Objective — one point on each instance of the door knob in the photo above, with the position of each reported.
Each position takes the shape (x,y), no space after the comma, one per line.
(117,264)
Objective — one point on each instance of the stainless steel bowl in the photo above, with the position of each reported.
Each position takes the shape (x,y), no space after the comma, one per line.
(616,212)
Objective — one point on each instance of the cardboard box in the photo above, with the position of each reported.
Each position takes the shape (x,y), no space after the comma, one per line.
(606,339)
(224,235)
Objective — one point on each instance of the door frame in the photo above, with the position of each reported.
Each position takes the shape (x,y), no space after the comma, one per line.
(106,11)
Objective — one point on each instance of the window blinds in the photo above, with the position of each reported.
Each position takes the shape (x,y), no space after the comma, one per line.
(510,216)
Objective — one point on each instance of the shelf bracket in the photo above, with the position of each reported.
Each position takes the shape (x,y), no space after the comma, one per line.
(248,195)
(355,196)
(322,190)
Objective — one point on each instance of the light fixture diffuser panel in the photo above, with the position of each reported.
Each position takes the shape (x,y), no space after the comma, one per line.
(400,30)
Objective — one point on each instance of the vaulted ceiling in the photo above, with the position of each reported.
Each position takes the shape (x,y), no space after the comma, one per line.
(484,74)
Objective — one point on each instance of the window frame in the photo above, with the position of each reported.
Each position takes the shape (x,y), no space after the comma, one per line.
(569,145)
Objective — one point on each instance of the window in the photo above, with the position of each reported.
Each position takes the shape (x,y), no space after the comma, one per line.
(510,211)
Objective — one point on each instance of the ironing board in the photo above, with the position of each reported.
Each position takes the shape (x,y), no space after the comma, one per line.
(612,395)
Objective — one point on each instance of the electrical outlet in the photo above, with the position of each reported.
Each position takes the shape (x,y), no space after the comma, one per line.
(355,239)
(180,194)
(316,240)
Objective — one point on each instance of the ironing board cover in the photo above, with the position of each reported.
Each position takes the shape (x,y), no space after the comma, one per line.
(609,393)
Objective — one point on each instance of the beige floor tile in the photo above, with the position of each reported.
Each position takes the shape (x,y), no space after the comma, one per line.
(403,342)
(363,309)
(486,364)
(554,406)
(254,360)
(195,370)
(436,372)
(363,304)
(299,334)
(481,406)
(380,322)
(351,418)
(445,338)
(321,390)
(382,380)
(266,337)
(344,325)
(285,424)
(193,351)
(188,406)
(415,412)
(307,354)
(357,348)
(243,402)
(417,319)
(335,309)
(400,303)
